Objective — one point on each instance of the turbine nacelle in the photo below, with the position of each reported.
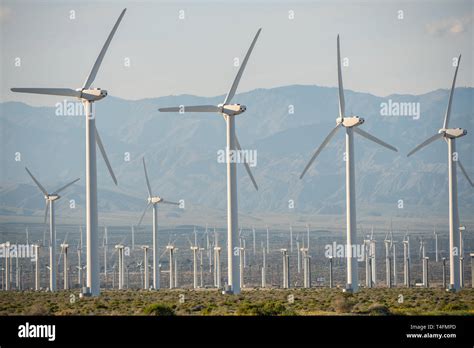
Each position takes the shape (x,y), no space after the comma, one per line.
(154,200)
(453,132)
(93,94)
(52,197)
(351,121)
(232,109)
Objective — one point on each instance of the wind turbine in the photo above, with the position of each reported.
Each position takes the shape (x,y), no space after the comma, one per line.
(217,261)
(50,198)
(36,248)
(88,96)
(171,250)
(229,111)
(64,253)
(387,262)
(79,259)
(367,258)
(406,261)
(450,135)
(154,201)
(105,245)
(306,267)
(286,275)
(373,257)
(6,252)
(351,124)
(146,283)
(121,263)
(194,248)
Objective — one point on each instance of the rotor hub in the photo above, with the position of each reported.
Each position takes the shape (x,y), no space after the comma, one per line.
(154,199)
(453,132)
(52,197)
(349,122)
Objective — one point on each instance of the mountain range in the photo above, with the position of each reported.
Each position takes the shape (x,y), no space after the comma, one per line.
(284,125)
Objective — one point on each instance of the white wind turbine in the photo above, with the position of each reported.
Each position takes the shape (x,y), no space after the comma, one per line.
(450,135)
(88,96)
(351,124)
(373,257)
(171,249)
(217,261)
(146,282)
(194,248)
(50,198)
(64,254)
(154,201)
(229,111)
(36,248)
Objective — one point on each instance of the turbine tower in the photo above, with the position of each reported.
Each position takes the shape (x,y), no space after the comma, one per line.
(36,248)
(154,201)
(229,111)
(88,96)
(351,124)
(450,135)
(146,283)
(50,198)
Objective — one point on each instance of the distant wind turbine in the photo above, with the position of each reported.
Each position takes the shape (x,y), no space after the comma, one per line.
(154,201)
(50,198)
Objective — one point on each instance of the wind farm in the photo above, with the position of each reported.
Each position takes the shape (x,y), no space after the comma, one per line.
(358,229)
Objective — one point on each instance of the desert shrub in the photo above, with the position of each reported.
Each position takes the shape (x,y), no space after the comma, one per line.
(455,307)
(37,309)
(264,309)
(159,309)
(342,304)
(378,309)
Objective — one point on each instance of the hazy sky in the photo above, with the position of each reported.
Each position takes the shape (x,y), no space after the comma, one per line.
(195,55)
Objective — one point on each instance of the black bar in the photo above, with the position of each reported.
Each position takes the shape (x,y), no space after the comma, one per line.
(327,330)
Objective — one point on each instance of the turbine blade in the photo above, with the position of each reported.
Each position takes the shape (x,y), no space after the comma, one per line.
(104,156)
(143,214)
(193,108)
(37,183)
(169,202)
(146,177)
(342,104)
(448,109)
(46,211)
(465,173)
(247,167)
(95,68)
(235,84)
(374,139)
(426,142)
(65,186)
(66,92)
(320,148)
